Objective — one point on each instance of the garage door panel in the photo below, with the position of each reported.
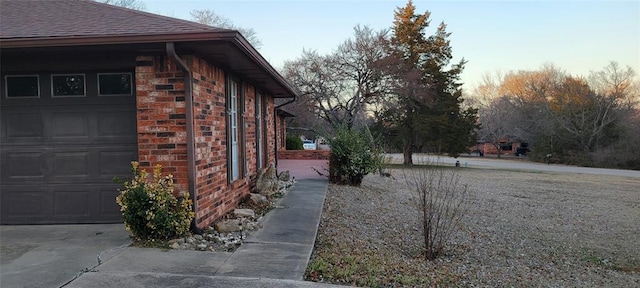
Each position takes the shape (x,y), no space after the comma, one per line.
(71,202)
(116,163)
(108,206)
(60,203)
(70,124)
(71,164)
(86,204)
(27,165)
(24,203)
(119,124)
(22,126)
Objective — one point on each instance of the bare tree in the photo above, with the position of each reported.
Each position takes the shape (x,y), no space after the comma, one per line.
(131,4)
(497,122)
(495,113)
(616,82)
(338,87)
(208,17)
(528,92)
(581,113)
(565,114)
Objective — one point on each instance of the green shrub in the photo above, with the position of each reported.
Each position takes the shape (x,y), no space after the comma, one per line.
(294,142)
(149,208)
(352,157)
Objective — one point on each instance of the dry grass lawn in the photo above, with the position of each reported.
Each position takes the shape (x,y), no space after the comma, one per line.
(522,229)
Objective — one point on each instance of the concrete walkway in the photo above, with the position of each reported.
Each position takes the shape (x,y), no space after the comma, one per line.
(274,256)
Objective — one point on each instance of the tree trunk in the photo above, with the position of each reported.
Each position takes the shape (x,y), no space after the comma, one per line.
(408,155)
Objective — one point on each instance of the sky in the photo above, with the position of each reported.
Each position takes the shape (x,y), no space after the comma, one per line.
(493,36)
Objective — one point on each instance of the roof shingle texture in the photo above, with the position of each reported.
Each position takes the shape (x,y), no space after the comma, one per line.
(84,18)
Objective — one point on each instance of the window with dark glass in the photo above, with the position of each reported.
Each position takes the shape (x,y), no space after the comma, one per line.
(114,84)
(68,85)
(22,86)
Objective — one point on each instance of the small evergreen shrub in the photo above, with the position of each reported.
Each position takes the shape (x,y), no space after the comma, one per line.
(149,208)
(352,157)
(294,142)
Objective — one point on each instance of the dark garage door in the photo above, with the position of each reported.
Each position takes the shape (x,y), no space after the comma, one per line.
(59,154)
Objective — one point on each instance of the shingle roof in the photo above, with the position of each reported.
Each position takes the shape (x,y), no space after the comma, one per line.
(78,18)
(42,24)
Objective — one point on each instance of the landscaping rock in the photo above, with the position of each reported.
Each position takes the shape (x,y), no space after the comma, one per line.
(258,199)
(228,225)
(284,176)
(267,181)
(175,245)
(247,213)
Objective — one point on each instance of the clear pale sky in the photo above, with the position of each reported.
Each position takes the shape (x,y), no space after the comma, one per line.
(577,36)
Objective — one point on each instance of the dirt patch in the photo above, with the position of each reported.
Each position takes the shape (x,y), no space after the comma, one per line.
(521,229)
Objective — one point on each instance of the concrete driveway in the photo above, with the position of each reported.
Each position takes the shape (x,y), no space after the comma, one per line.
(51,255)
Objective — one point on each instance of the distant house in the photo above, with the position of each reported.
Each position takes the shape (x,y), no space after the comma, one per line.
(504,146)
(87,87)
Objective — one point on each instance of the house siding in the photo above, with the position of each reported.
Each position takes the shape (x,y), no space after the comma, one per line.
(162,131)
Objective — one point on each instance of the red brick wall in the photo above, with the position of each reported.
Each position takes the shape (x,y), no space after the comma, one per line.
(281,131)
(271,133)
(161,117)
(250,130)
(162,131)
(304,154)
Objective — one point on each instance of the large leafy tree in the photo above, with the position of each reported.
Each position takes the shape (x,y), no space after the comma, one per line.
(426,114)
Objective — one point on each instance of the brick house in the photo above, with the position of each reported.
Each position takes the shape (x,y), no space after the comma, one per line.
(503,146)
(281,127)
(88,87)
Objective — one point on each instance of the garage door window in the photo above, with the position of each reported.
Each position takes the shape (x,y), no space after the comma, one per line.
(68,85)
(22,86)
(114,84)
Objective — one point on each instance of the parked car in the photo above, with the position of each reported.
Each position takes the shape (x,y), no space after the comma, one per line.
(521,151)
(323,144)
(308,145)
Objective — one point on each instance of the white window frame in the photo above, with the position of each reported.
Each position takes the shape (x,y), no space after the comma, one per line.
(116,73)
(84,86)
(6,86)
(259,131)
(234,95)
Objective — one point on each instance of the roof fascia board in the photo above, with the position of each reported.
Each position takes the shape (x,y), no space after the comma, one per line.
(116,39)
(252,53)
(231,36)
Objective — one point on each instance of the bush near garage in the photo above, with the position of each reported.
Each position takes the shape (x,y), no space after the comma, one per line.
(149,207)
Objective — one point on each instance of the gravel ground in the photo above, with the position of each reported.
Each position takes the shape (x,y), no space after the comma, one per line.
(522,229)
